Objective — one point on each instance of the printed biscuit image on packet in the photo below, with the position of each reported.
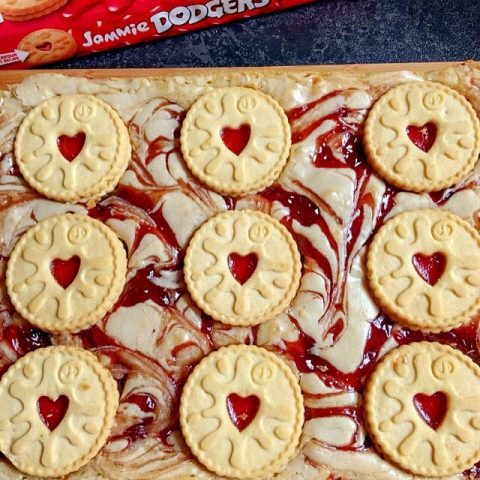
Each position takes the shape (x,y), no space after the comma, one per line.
(39,32)
(47,45)
(24,10)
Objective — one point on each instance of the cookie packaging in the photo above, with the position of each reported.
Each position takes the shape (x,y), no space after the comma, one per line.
(38,32)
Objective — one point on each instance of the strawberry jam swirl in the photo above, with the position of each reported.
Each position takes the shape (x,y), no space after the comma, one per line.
(333,333)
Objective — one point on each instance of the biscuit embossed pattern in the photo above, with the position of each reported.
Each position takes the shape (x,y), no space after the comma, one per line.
(333,333)
(242,268)
(422,137)
(423,269)
(41,379)
(66,273)
(255,159)
(98,164)
(397,428)
(268,442)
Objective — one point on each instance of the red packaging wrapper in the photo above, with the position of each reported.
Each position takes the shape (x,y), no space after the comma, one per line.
(37,32)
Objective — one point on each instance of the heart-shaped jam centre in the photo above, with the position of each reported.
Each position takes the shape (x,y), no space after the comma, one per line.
(65,271)
(242,410)
(423,137)
(242,266)
(431,408)
(430,267)
(52,411)
(236,139)
(44,47)
(70,147)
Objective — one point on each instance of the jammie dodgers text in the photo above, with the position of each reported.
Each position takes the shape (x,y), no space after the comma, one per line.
(178,16)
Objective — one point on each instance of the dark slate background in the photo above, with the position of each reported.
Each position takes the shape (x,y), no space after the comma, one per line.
(328,31)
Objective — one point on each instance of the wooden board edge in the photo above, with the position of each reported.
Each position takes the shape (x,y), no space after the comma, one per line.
(10,77)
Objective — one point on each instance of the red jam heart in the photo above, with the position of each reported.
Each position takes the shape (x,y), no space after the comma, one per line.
(242,266)
(52,411)
(236,139)
(430,267)
(423,137)
(431,408)
(242,410)
(44,47)
(65,271)
(70,147)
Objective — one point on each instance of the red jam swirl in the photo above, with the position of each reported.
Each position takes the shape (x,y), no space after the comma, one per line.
(144,401)
(24,339)
(339,148)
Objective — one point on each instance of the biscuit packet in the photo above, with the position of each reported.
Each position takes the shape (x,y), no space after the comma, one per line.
(38,32)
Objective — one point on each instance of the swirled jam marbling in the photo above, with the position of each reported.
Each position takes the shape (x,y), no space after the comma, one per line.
(328,197)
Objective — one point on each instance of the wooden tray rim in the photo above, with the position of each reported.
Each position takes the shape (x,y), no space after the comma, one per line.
(10,77)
